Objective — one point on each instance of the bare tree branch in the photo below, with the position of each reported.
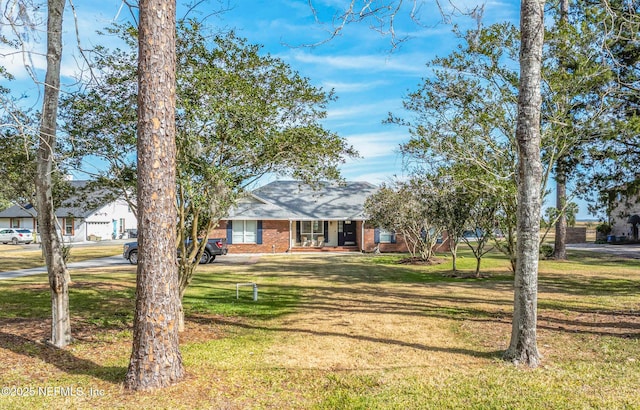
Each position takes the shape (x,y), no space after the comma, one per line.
(382,16)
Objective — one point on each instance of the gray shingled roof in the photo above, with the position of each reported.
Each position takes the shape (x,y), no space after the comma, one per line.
(19,212)
(81,205)
(295,200)
(253,208)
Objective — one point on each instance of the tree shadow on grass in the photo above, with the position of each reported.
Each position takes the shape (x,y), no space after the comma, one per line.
(349,269)
(326,286)
(591,286)
(497,354)
(625,325)
(554,315)
(604,259)
(62,359)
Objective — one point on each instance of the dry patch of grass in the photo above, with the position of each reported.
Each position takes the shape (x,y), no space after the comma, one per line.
(347,331)
(373,328)
(18,257)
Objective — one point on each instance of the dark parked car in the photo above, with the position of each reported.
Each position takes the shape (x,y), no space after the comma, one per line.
(214,248)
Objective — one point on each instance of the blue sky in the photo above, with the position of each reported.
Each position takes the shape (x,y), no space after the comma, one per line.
(369,76)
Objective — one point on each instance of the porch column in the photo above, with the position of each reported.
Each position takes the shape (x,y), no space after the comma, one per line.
(290,238)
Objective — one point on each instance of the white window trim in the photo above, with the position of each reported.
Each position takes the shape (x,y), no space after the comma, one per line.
(314,234)
(65,226)
(244,235)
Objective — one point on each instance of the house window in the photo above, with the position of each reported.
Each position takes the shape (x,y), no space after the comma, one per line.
(121,229)
(386,236)
(14,223)
(245,231)
(311,229)
(67,226)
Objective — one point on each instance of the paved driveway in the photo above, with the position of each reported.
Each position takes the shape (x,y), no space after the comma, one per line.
(244,259)
(625,251)
(94,263)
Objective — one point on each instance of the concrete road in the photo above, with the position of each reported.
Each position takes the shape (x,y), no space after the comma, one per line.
(244,259)
(93,263)
(625,251)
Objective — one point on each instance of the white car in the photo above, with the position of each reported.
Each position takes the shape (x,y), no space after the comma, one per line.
(16,236)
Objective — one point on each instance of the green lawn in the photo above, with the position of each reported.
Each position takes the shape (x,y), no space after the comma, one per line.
(339,331)
(14,257)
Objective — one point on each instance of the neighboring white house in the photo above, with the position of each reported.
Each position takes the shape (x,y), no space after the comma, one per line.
(625,216)
(83,217)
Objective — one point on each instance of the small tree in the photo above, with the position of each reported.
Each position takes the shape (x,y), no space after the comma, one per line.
(482,216)
(18,145)
(450,208)
(19,15)
(464,117)
(47,221)
(406,209)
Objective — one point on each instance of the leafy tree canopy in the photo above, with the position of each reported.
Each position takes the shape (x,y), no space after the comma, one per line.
(240,114)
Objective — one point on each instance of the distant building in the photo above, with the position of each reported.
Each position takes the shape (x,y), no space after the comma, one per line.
(624,216)
(87,215)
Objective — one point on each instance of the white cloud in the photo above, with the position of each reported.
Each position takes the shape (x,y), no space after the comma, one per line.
(377,144)
(405,63)
(350,111)
(33,55)
(376,108)
(375,171)
(349,87)
(15,61)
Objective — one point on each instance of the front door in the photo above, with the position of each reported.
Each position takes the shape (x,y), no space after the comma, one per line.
(347,235)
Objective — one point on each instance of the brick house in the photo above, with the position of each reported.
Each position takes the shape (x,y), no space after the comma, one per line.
(289,216)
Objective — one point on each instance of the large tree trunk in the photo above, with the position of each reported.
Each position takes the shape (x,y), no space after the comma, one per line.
(155,359)
(51,244)
(523,347)
(560,245)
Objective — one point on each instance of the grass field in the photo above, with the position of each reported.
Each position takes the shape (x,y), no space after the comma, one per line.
(14,257)
(338,331)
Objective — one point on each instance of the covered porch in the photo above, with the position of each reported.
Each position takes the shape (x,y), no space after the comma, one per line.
(328,235)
